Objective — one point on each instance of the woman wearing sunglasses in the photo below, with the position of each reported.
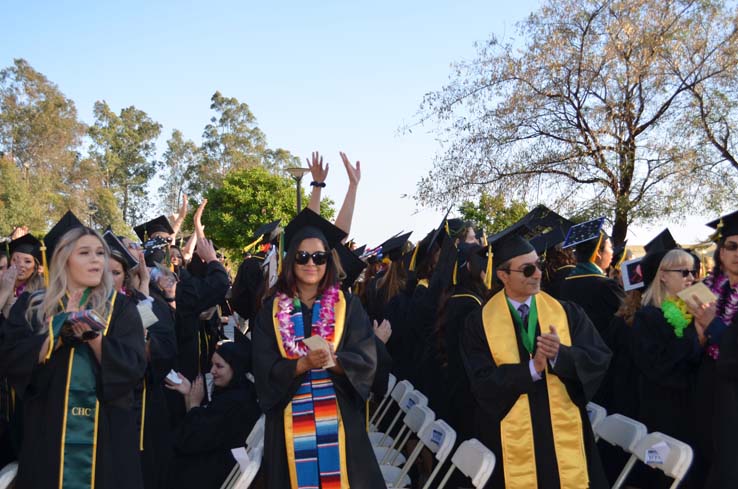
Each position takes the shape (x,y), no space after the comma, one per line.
(668,345)
(301,389)
(74,353)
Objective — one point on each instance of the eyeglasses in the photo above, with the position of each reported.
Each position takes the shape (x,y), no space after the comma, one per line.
(528,269)
(319,257)
(730,246)
(685,273)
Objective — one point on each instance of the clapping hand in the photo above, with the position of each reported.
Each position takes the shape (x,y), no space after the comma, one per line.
(383,331)
(197,220)
(548,344)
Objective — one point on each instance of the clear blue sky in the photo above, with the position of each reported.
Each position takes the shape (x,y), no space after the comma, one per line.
(328,76)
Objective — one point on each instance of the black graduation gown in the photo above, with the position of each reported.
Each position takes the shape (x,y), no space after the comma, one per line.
(204,441)
(668,368)
(496,389)
(157,435)
(42,388)
(276,384)
(247,287)
(600,297)
(552,286)
(724,468)
(400,342)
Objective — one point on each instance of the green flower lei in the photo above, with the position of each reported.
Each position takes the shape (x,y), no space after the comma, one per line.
(676,314)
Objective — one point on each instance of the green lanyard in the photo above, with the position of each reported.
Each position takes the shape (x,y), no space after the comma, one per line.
(528,333)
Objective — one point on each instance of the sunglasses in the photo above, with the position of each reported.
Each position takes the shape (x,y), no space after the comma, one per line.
(730,246)
(528,269)
(685,273)
(319,257)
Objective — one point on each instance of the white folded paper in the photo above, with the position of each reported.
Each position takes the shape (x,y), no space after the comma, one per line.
(318,343)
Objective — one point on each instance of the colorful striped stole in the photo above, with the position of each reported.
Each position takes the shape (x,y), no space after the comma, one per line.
(315,422)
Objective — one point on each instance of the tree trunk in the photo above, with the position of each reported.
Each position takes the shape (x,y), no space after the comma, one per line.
(620,227)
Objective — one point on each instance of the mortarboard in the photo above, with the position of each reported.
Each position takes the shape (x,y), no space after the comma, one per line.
(546,241)
(263,234)
(725,226)
(308,224)
(352,265)
(68,222)
(656,249)
(424,246)
(393,248)
(27,244)
(157,225)
(619,254)
(359,251)
(584,232)
(118,249)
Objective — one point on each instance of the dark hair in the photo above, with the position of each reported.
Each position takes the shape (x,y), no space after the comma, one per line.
(424,269)
(555,259)
(114,255)
(584,251)
(393,281)
(630,305)
(287,282)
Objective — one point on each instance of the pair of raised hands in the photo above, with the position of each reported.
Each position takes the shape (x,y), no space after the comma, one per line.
(319,172)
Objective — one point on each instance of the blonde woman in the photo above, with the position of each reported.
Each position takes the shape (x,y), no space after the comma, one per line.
(75,374)
(668,345)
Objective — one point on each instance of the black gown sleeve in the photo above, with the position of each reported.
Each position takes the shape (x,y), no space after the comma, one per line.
(727,363)
(195,295)
(587,359)
(123,359)
(162,341)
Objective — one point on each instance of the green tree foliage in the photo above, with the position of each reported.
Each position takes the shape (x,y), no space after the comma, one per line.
(589,113)
(124,149)
(232,141)
(39,134)
(246,199)
(180,157)
(492,213)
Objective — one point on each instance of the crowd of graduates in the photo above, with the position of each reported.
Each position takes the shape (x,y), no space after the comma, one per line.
(128,364)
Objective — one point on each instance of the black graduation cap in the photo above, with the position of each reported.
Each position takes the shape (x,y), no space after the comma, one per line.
(27,244)
(508,245)
(436,235)
(118,249)
(359,251)
(265,231)
(656,249)
(456,225)
(727,225)
(157,225)
(584,232)
(68,222)
(618,254)
(308,224)
(351,264)
(548,240)
(393,247)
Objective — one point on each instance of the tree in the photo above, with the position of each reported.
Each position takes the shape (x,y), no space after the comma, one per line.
(233,141)
(589,113)
(124,148)
(181,156)
(246,199)
(492,213)
(40,135)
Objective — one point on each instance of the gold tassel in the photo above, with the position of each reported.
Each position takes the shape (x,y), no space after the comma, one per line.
(488,275)
(456,266)
(412,259)
(44,263)
(251,246)
(597,248)
(143,417)
(718,234)
(279,254)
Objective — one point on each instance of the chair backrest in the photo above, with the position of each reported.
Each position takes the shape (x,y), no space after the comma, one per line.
(413,398)
(257,433)
(622,431)
(475,461)
(391,382)
(7,474)
(439,438)
(596,414)
(418,417)
(401,388)
(676,456)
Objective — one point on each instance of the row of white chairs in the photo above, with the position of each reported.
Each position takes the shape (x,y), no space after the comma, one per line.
(657,450)
(471,457)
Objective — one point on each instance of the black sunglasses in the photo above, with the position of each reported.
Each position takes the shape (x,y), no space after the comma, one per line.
(685,273)
(730,246)
(528,269)
(319,257)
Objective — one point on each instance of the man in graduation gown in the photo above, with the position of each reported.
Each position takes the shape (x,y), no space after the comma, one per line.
(533,364)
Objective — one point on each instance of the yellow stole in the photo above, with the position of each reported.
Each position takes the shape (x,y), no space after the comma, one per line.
(339,312)
(516,429)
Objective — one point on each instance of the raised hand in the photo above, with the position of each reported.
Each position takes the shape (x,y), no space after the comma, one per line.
(206,250)
(197,219)
(354,173)
(19,232)
(317,170)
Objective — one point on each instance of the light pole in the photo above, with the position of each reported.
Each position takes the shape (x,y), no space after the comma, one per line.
(297,173)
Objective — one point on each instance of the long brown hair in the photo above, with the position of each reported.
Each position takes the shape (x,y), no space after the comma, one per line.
(393,281)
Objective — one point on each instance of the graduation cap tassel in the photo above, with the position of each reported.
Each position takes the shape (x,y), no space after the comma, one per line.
(251,246)
(456,267)
(717,235)
(597,248)
(279,253)
(44,263)
(412,259)
(488,271)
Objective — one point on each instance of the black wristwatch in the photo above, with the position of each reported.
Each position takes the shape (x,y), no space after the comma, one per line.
(317,184)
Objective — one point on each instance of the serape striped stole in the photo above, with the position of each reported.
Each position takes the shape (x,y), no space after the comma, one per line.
(314,434)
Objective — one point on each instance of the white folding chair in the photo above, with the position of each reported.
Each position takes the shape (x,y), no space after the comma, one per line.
(417,418)
(238,479)
(256,436)
(386,399)
(398,392)
(623,432)
(596,414)
(474,460)
(7,475)
(675,463)
(410,399)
